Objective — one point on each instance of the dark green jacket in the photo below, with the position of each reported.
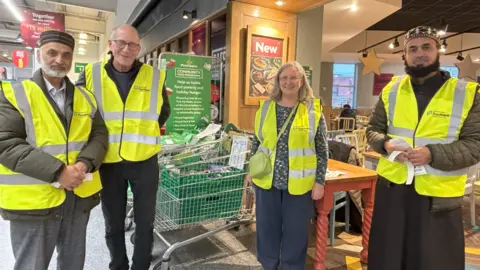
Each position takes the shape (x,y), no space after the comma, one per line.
(463,153)
(17,155)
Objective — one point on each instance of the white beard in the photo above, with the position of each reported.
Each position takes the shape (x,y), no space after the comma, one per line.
(50,72)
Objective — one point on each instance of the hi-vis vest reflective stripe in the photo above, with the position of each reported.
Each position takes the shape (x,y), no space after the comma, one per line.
(301,144)
(440,124)
(134,133)
(46,132)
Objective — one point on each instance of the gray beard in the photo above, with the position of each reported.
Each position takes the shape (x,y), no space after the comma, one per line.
(50,72)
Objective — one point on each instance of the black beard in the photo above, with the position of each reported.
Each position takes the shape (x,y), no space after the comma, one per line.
(422,71)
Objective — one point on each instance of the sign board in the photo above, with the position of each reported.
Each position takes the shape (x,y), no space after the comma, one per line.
(36,21)
(380,81)
(80,67)
(20,58)
(308,72)
(265,56)
(188,87)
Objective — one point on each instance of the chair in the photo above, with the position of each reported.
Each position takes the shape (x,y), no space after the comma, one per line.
(346,123)
(362,143)
(472,177)
(349,139)
(331,134)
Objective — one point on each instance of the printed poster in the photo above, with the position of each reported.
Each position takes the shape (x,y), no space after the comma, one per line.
(188,87)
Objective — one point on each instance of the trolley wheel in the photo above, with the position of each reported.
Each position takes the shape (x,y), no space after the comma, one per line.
(161,266)
(128,224)
(132,238)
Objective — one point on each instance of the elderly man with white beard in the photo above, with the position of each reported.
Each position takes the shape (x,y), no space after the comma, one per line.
(52,142)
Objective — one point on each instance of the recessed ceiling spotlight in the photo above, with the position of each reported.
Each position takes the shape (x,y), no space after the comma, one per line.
(353,7)
(279,3)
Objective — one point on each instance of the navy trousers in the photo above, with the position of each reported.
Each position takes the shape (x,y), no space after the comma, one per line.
(283,222)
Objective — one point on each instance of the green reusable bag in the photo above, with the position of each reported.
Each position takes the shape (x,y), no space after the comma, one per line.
(260,164)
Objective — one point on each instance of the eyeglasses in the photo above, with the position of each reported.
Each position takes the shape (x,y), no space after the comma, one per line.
(132,46)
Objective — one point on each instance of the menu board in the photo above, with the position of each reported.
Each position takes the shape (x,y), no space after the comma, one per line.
(265,56)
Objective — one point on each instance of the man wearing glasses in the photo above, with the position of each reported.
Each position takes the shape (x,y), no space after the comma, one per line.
(132,99)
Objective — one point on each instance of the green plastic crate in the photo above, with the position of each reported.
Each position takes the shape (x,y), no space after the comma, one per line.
(192,180)
(198,209)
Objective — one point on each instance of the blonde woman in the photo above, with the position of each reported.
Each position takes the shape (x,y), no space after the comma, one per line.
(299,157)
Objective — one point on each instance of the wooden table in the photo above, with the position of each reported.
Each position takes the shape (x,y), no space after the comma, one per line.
(354,177)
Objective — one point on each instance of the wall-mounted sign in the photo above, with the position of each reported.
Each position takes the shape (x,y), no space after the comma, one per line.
(20,58)
(380,81)
(80,67)
(308,72)
(35,22)
(265,56)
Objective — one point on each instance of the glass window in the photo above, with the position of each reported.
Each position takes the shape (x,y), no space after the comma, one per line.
(452,70)
(343,91)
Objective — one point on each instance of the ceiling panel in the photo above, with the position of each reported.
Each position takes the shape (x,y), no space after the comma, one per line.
(460,15)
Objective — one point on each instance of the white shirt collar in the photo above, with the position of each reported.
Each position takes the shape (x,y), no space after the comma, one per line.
(51,88)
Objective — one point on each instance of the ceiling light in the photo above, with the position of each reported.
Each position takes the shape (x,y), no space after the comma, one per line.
(443,49)
(460,57)
(81,49)
(365,54)
(476,60)
(256,13)
(83,36)
(394,44)
(353,7)
(5,55)
(13,8)
(443,28)
(81,41)
(279,3)
(81,53)
(192,13)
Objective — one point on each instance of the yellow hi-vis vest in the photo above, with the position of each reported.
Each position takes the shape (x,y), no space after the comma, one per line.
(46,132)
(302,158)
(440,123)
(134,132)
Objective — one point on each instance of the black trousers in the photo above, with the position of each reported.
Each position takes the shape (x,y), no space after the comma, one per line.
(144,178)
(406,234)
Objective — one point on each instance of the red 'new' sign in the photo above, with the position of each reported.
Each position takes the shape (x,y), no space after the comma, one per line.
(20,58)
(266,46)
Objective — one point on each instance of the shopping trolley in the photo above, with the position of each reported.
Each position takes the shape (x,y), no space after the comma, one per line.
(203,183)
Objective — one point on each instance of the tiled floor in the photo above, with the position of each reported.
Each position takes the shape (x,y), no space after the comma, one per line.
(232,250)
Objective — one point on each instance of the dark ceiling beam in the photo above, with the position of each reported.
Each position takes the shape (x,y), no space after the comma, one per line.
(464,50)
(425,22)
(450,36)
